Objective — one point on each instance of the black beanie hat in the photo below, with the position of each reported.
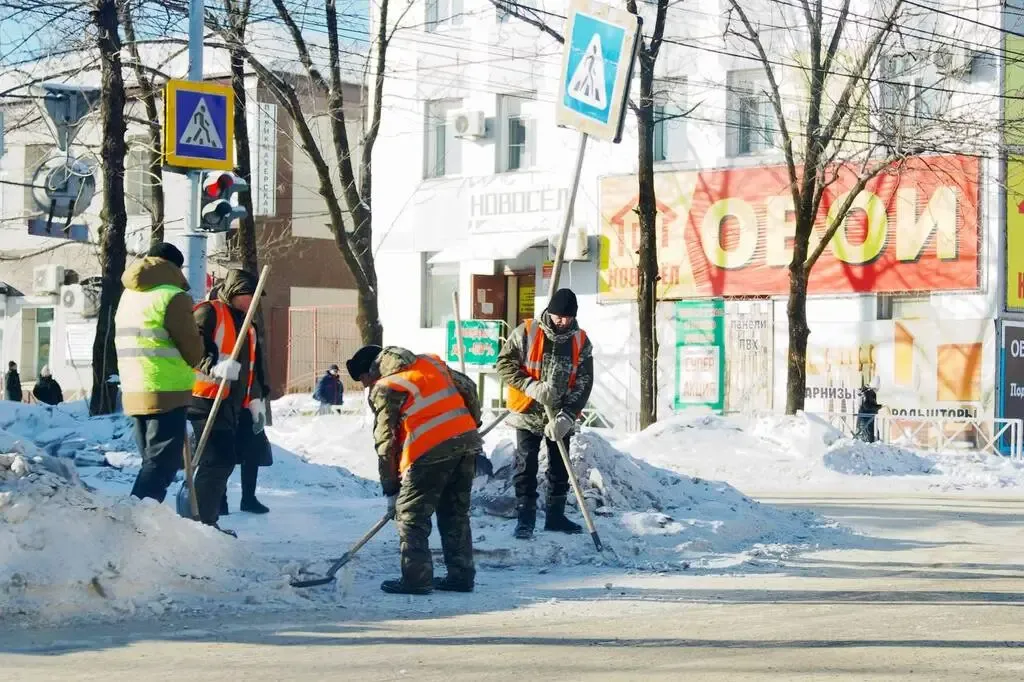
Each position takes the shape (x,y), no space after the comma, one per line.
(168,252)
(359,364)
(563,303)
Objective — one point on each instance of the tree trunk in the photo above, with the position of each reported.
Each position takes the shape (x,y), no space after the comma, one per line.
(114,217)
(796,312)
(245,238)
(367,312)
(647,212)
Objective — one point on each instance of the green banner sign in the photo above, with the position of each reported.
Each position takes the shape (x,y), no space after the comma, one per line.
(700,354)
(481,339)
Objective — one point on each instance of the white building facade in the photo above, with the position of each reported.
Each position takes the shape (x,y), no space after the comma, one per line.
(473,176)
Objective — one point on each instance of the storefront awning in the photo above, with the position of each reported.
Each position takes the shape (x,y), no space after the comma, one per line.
(492,246)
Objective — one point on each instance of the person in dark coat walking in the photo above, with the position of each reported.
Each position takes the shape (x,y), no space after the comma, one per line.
(47,390)
(242,415)
(12,384)
(329,391)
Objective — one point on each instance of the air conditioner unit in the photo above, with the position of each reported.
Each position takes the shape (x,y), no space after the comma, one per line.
(79,300)
(577,247)
(468,125)
(47,279)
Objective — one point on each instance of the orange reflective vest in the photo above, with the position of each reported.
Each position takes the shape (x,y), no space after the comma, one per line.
(224,336)
(519,401)
(433,411)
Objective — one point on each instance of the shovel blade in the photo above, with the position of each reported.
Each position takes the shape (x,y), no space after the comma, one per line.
(313,582)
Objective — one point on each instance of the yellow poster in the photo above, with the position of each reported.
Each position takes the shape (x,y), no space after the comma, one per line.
(1015,233)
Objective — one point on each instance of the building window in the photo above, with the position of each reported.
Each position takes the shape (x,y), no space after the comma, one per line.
(443,150)
(517,132)
(44,331)
(138,183)
(659,132)
(443,13)
(750,115)
(440,280)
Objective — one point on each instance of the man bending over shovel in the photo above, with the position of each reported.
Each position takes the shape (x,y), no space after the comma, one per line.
(425,430)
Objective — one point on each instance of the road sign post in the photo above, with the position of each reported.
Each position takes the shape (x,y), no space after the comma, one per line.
(597,67)
(198,136)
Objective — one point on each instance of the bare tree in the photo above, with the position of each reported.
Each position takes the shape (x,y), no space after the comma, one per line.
(815,155)
(113,253)
(349,208)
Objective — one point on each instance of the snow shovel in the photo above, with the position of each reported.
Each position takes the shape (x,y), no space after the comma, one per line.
(490,427)
(345,558)
(576,485)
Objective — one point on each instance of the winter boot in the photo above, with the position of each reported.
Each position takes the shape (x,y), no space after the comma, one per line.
(401,587)
(449,584)
(554,518)
(527,520)
(253,506)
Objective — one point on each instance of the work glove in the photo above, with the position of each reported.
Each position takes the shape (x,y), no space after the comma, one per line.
(543,392)
(392,504)
(560,427)
(229,369)
(258,409)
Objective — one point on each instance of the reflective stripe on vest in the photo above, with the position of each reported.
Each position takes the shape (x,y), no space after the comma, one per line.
(534,362)
(433,411)
(147,359)
(224,336)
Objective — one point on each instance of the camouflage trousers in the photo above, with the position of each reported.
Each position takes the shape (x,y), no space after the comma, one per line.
(441,483)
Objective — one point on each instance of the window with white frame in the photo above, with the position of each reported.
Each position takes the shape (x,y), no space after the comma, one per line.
(138,183)
(750,115)
(443,151)
(517,134)
(911,97)
(659,132)
(439,281)
(442,13)
(44,338)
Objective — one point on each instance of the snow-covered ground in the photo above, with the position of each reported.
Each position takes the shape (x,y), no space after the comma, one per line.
(74,545)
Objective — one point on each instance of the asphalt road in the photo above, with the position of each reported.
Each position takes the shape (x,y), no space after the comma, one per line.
(938,598)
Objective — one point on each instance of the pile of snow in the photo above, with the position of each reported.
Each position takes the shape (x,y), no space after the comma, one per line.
(67,552)
(848,456)
(649,517)
(67,431)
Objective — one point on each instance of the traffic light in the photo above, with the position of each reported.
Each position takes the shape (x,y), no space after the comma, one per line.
(217,211)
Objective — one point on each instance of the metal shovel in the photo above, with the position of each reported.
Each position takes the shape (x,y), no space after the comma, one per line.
(345,558)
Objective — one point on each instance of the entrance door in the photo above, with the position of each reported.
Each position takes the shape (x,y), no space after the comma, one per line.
(490,299)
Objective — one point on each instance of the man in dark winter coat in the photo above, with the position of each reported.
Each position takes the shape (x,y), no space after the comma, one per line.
(12,383)
(329,391)
(546,363)
(425,429)
(242,414)
(47,390)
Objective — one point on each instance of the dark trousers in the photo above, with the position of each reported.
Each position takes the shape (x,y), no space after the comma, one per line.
(443,486)
(161,442)
(214,471)
(527,456)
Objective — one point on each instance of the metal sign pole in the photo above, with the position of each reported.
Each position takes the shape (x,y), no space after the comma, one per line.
(195,241)
(567,216)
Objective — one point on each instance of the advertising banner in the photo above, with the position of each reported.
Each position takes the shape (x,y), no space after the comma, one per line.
(482,341)
(700,354)
(1013,373)
(729,232)
(921,367)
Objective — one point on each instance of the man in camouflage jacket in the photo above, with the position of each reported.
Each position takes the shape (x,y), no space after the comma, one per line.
(558,326)
(440,480)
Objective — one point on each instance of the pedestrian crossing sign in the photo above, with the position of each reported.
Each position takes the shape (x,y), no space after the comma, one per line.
(199,125)
(597,66)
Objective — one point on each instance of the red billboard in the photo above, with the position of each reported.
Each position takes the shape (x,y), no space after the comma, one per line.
(729,232)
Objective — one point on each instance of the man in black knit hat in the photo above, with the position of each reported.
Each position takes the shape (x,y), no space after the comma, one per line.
(546,363)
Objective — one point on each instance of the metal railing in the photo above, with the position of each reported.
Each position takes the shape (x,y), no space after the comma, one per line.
(939,434)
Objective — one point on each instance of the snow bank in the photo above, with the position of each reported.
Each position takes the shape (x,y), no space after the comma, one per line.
(67,432)
(67,552)
(858,458)
(649,517)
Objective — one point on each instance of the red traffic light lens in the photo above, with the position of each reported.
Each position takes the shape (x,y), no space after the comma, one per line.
(217,187)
